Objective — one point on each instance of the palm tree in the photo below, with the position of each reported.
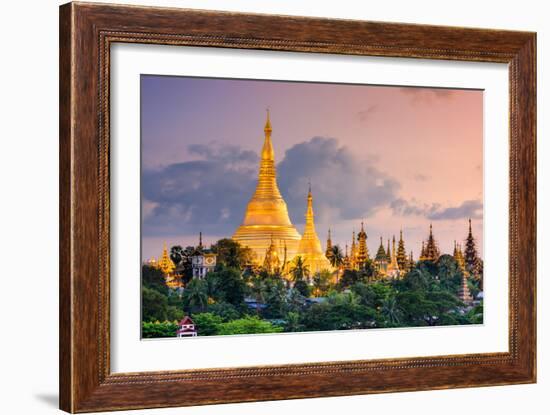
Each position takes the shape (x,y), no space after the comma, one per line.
(299,271)
(258,290)
(196,295)
(390,310)
(321,283)
(337,257)
(336,260)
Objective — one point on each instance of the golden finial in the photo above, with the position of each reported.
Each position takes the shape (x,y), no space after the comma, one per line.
(267,127)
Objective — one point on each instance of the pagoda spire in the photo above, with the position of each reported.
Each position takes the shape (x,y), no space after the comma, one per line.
(200,240)
(431,251)
(470,252)
(329,253)
(309,247)
(401,253)
(362,250)
(165,264)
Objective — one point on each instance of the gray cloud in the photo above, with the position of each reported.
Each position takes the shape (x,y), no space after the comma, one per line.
(210,194)
(344,186)
(468,209)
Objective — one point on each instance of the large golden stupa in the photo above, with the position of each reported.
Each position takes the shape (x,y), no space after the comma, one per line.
(266,219)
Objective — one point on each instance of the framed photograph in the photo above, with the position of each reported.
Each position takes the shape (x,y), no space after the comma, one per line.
(260,207)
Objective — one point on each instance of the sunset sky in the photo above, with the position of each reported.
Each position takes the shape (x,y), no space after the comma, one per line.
(392,157)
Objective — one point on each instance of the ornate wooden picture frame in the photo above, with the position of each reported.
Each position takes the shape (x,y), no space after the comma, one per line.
(87,32)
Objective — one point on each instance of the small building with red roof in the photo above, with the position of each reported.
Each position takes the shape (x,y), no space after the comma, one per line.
(186,328)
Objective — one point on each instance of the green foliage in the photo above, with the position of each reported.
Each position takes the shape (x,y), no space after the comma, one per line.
(474,286)
(232,254)
(150,330)
(153,279)
(322,283)
(426,295)
(154,305)
(337,257)
(182,259)
(340,312)
(292,322)
(248,325)
(475,315)
(449,273)
(299,270)
(195,296)
(303,288)
(207,324)
(226,284)
(224,310)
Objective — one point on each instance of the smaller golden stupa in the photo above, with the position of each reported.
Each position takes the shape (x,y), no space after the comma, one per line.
(309,248)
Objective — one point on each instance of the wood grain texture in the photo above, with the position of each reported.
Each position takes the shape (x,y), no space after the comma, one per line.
(86,33)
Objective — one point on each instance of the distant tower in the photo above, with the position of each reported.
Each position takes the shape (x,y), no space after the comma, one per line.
(411,262)
(346,261)
(203,260)
(393,267)
(329,253)
(381,260)
(431,251)
(165,264)
(470,252)
(362,250)
(309,247)
(464,292)
(353,253)
(402,260)
(422,253)
(457,254)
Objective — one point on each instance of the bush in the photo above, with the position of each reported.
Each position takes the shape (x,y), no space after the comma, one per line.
(150,330)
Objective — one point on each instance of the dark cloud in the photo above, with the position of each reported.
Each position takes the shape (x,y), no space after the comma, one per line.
(344,186)
(210,194)
(468,209)
(365,114)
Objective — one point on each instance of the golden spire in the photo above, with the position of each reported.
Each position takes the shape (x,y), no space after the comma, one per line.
(267,128)
(165,264)
(266,213)
(328,252)
(271,260)
(310,247)
(362,249)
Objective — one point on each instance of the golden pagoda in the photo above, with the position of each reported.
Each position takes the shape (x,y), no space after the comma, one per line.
(165,264)
(393,267)
(266,216)
(272,263)
(362,249)
(459,257)
(310,246)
